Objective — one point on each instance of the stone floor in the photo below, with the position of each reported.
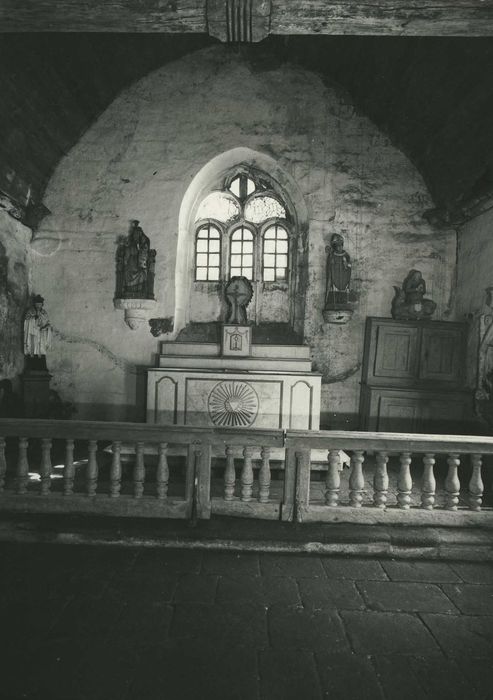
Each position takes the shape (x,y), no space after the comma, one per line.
(93,622)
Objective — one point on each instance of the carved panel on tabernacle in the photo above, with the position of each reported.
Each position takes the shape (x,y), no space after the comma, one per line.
(301,398)
(165,406)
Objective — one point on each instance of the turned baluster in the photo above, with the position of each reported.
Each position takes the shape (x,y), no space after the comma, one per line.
(247,475)
(357,479)
(452,483)
(476,486)
(162,474)
(69,470)
(264,476)
(404,482)
(92,468)
(381,480)
(45,467)
(22,466)
(139,470)
(229,475)
(333,480)
(116,470)
(429,483)
(3,464)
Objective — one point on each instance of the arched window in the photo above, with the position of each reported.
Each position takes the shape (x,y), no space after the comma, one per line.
(208,254)
(275,254)
(241,253)
(247,231)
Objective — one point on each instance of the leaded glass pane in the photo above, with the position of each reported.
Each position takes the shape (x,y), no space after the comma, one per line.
(201,260)
(201,273)
(236,246)
(270,246)
(214,260)
(282,246)
(235,186)
(201,245)
(218,205)
(269,260)
(262,208)
(269,275)
(214,273)
(214,245)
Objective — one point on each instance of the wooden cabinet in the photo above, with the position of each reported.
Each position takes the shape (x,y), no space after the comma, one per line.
(413,377)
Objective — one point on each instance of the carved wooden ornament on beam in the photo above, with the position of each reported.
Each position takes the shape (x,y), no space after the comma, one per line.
(239,20)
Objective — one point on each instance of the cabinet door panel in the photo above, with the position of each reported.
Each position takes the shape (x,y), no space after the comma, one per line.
(398,414)
(441,352)
(396,354)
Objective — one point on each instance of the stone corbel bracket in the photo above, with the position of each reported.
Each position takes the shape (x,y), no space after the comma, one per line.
(239,20)
(137,311)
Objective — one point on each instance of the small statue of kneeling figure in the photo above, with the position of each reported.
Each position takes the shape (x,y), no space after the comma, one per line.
(409,303)
(37,334)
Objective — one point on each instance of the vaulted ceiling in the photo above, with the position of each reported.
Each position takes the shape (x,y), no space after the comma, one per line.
(433,96)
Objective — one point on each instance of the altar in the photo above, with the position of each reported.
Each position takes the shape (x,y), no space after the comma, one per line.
(203,384)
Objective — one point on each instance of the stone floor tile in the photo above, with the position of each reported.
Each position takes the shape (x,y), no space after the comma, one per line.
(479,674)
(24,623)
(463,635)
(426,571)
(471,599)
(474,572)
(230,564)
(196,674)
(353,568)
(312,630)
(330,593)
(267,590)
(387,633)
(158,587)
(404,596)
(288,675)
(415,677)
(194,588)
(142,623)
(346,675)
(84,617)
(106,672)
(222,625)
(169,561)
(295,565)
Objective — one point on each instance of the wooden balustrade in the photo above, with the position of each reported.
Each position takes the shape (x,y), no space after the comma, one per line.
(404,472)
(124,469)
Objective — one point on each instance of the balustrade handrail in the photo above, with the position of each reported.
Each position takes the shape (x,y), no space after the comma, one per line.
(137,432)
(295,439)
(387,442)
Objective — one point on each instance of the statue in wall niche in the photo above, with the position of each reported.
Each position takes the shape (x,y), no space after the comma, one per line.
(135,265)
(37,333)
(409,303)
(238,293)
(339,298)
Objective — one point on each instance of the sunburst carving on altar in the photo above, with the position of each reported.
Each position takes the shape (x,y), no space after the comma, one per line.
(233,404)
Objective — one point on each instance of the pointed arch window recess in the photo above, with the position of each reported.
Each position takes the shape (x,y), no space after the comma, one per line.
(242,229)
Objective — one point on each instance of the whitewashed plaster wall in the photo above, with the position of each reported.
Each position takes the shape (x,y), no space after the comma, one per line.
(137,161)
(474,276)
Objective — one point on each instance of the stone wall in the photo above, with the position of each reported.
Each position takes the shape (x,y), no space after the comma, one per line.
(14,289)
(138,160)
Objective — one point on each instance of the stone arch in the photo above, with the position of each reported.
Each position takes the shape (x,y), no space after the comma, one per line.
(210,176)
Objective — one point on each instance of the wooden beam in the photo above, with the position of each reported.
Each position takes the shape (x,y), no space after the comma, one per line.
(387,17)
(288,17)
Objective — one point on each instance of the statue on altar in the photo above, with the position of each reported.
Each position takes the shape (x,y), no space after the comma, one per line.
(37,332)
(409,303)
(135,265)
(238,293)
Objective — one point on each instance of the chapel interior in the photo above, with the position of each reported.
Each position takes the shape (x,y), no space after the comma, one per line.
(246,349)
(383,140)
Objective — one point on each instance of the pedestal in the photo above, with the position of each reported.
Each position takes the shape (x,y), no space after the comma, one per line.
(36,393)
